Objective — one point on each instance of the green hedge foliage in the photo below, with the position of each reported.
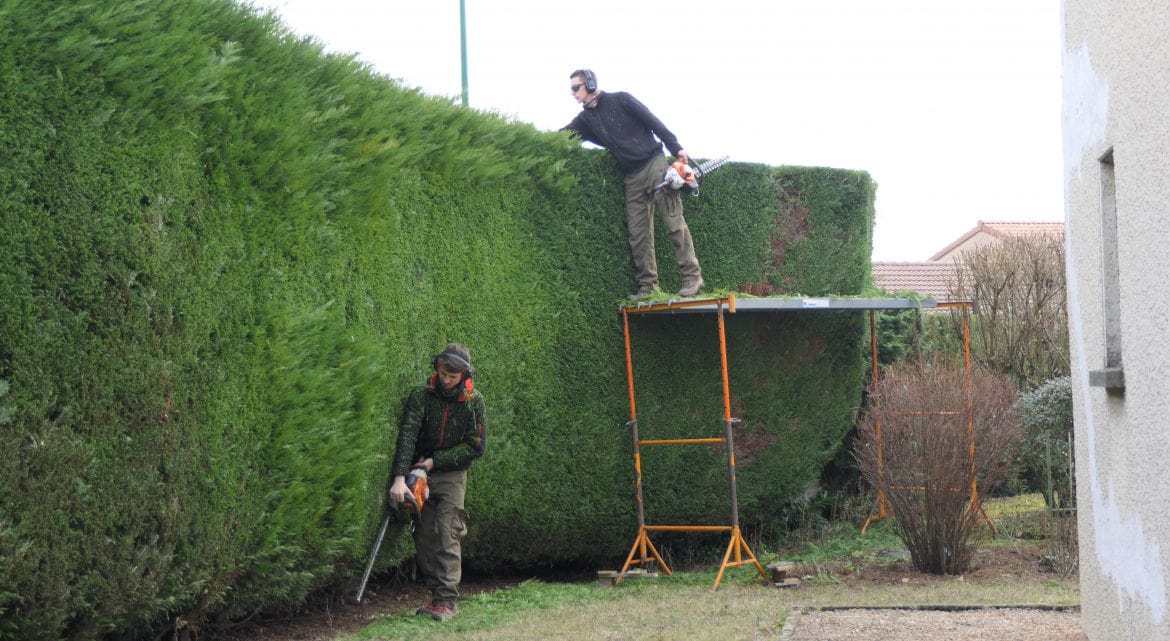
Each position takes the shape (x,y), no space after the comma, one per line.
(226,257)
(917,335)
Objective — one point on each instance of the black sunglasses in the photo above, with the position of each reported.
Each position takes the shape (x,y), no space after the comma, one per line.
(576,88)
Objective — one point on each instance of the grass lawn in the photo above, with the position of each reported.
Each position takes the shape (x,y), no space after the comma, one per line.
(839,568)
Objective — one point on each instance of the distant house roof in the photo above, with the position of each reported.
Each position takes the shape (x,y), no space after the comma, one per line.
(928,279)
(1001,230)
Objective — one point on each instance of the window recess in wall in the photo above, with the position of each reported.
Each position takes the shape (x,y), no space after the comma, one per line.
(1112,376)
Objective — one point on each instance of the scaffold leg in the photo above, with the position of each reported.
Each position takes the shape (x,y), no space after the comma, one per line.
(874,517)
(740,548)
(641,542)
(986,518)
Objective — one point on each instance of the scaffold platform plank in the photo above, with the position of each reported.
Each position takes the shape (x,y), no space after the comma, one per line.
(736,304)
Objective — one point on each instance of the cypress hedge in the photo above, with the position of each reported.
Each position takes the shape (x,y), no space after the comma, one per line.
(226,257)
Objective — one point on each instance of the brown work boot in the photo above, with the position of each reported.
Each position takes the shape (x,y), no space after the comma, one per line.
(691,288)
(438,610)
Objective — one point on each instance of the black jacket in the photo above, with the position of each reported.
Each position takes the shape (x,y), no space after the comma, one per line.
(451,431)
(626,128)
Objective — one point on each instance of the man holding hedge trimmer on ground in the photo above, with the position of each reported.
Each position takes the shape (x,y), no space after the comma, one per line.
(624,126)
(441,432)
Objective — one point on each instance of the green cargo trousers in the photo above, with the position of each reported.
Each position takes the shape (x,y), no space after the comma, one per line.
(438,535)
(641,203)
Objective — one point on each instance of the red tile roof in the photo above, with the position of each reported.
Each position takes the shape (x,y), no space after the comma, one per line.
(1023,228)
(1002,230)
(928,279)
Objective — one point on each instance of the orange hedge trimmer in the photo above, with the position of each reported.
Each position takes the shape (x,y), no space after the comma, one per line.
(417,491)
(681,175)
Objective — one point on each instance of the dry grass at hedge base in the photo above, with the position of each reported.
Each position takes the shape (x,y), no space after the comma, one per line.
(683,607)
(839,568)
(742,612)
(918,447)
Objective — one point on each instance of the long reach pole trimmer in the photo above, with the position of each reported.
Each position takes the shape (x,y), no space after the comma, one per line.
(374,555)
(418,491)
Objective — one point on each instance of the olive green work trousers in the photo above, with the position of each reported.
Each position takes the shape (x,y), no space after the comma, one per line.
(438,535)
(641,203)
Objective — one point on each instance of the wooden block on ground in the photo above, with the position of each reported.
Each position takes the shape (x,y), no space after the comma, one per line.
(781,569)
(607,578)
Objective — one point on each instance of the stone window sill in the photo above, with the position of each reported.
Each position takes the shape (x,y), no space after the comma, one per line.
(1111,378)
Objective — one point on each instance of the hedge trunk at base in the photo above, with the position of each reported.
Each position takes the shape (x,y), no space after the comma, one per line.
(227,255)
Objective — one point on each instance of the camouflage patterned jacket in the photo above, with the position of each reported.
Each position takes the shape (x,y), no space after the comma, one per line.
(452,432)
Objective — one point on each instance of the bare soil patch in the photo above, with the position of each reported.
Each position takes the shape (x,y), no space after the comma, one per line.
(328,616)
(1021,562)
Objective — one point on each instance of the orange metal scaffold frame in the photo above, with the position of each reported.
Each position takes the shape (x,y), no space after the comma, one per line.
(883,508)
(738,552)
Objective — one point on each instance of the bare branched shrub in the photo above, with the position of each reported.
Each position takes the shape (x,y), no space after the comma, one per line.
(1061,554)
(929,453)
(1021,321)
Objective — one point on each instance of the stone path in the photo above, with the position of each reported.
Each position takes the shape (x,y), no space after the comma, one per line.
(1000,624)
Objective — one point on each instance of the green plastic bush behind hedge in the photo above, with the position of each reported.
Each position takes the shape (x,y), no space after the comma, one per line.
(226,257)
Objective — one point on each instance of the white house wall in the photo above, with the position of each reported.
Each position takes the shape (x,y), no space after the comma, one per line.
(1117,96)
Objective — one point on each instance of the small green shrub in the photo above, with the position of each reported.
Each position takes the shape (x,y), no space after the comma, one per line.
(1046,457)
(916,334)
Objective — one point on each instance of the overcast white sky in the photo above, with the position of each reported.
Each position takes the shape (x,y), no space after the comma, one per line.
(952,106)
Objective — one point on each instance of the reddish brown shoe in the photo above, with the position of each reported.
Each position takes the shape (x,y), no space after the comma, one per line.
(438,610)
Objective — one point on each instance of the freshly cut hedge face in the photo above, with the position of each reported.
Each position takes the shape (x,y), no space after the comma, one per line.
(227,256)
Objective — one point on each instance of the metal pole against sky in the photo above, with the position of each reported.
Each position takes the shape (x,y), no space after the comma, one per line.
(463,46)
